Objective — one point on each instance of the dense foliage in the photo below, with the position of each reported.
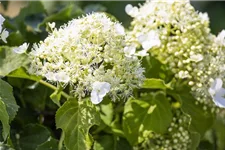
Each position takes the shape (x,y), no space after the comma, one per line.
(76,80)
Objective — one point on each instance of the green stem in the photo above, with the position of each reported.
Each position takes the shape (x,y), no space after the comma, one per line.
(60,146)
(54,88)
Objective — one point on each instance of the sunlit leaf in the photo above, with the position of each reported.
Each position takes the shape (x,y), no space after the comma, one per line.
(75,119)
(149,113)
(4,117)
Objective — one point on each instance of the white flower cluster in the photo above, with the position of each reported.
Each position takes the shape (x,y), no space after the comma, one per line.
(180,37)
(177,137)
(89,54)
(3,33)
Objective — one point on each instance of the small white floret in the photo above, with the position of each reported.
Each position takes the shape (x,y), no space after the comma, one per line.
(131,11)
(217,92)
(149,40)
(4,35)
(21,49)
(99,90)
(129,50)
(119,29)
(196,58)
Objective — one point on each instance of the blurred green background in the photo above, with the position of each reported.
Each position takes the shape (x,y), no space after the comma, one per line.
(215,9)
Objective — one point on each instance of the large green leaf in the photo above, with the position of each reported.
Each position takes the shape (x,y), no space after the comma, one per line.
(75,119)
(6,95)
(32,136)
(108,142)
(10,61)
(4,117)
(149,113)
(153,83)
(201,120)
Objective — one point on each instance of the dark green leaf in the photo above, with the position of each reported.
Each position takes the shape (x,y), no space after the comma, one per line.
(149,113)
(50,144)
(7,97)
(4,117)
(108,142)
(64,15)
(32,136)
(10,61)
(75,119)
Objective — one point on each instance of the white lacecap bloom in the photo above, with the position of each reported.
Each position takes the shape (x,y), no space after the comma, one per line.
(85,50)
(129,50)
(217,92)
(99,90)
(149,40)
(183,74)
(196,57)
(130,10)
(21,49)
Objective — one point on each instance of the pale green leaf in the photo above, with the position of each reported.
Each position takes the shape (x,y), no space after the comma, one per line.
(21,73)
(4,117)
(10,61)
(153,83)
(149,113)
(75,119)
(7,97)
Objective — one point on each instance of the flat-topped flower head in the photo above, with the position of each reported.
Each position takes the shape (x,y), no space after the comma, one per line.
(86,52)
(178,36)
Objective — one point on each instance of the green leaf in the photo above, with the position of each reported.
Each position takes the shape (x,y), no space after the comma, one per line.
(32,136)
(195,140)
(21,73)
(108,142)
(149,113)
(201,120)
(5,147)
(106,112)
(153,83)
(75,119)
(4,117)
(7,97)
(10,61)
(50,144)
(63,15)
(56,95)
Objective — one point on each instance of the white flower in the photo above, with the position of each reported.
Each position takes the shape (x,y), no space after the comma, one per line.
(130,10)
(99,90)
(220,39)
(183,74)
(2,19)
(217,92)
(149,40)
(21,49)
(196,58)
(4,35)
(62,77)
(119,29)
(142,53)
(51,25)
(129,50)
